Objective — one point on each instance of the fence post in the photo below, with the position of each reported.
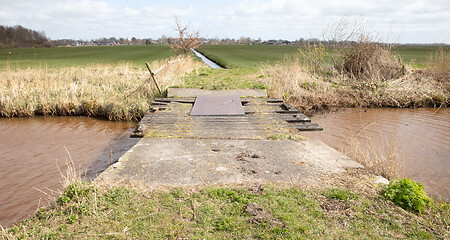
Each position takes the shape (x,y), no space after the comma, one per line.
(153,77)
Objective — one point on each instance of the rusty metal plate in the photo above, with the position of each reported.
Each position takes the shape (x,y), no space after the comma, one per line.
(217,105)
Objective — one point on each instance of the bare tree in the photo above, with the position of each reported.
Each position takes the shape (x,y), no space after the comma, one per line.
(186,40)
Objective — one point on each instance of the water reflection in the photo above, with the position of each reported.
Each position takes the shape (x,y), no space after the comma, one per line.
(32,149)
(422,137)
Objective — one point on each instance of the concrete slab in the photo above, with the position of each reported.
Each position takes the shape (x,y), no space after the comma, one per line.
(190,162)
(194,92)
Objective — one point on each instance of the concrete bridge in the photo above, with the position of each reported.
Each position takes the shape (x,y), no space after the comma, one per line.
(197,137)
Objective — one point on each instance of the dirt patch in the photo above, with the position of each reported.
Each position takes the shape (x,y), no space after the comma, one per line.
(334,205)
(257,189)
(261,216)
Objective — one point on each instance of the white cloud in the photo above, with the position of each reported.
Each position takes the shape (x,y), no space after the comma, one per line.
(408,21)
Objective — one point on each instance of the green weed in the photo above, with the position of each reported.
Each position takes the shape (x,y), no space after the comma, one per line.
(408,194)
(340,194)
(291,137)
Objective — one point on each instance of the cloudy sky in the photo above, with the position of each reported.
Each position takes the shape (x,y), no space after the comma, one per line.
(404,21)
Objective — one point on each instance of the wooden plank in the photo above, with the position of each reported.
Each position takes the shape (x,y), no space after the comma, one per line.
(309,127)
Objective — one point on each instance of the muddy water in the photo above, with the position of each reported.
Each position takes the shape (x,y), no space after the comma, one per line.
(419,137)
(31,149)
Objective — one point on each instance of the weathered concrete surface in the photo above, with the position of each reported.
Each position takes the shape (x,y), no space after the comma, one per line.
(190,162)
(194,92)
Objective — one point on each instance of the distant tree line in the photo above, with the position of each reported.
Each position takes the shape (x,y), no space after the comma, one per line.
(20,37)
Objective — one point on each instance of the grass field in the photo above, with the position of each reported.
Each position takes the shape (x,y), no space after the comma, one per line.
(231,56)
(247,56)
(82,56)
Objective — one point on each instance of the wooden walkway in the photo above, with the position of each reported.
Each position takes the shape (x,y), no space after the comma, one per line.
(264,118)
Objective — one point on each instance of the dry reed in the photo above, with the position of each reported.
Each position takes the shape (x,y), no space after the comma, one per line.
(382,156)
(116,92)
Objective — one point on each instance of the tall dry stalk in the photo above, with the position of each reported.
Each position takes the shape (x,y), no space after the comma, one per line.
(438,66)
(71,176)
(381,156)
(313,55)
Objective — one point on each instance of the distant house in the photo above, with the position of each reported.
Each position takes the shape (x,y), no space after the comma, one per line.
(277,42)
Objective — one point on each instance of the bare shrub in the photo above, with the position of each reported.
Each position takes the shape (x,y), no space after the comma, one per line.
(360,55)
(369,60)
(186,40)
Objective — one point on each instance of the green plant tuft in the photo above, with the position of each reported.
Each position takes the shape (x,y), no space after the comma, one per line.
(407,194)
(74,192)
(72,219)
(228,194)
(340,194)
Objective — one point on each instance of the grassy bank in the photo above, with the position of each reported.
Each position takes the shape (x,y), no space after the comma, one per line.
(113,91)
(60,57)
(348,208)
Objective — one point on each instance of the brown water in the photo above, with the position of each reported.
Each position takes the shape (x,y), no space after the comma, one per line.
(31,149)
(421,138)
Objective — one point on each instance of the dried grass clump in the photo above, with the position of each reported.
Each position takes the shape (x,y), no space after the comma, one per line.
(360,55)
(116,92)
(368,60)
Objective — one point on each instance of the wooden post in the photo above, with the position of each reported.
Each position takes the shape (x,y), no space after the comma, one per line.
(153,77)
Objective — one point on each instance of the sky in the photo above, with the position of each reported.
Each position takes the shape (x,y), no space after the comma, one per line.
(398,21)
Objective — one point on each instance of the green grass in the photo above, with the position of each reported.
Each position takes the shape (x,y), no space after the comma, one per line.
(416,56)
(82,56)
(232,56)
(246,56)
(223,79)
(84,212)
